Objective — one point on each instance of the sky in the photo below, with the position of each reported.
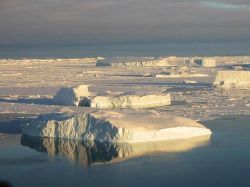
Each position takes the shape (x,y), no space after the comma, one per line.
(123,22)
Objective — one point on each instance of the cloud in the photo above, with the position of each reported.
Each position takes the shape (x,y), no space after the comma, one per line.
(94,22)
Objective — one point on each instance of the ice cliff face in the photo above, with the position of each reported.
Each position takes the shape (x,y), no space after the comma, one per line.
(81,127)
(114,127)
(232,79)
(131,101)
(72,96)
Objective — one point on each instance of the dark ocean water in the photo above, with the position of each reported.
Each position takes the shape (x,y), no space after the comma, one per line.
(224,161)
(177,49)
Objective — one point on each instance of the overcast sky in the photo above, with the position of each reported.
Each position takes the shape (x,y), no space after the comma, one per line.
(98,22)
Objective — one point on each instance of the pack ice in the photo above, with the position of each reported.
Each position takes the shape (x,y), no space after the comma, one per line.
(115,126)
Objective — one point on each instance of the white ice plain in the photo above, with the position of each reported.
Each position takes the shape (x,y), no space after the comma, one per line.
(110,126)
(232,79)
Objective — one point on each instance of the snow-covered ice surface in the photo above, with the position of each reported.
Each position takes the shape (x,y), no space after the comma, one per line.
(27,86)
(115,126)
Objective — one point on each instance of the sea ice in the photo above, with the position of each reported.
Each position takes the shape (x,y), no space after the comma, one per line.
(179,75)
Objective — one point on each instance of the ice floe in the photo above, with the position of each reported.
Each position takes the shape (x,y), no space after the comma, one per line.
(178,75)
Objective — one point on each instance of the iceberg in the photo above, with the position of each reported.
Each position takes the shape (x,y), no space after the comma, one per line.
(133,62)
(206,62)
(72,96)
(131,101)
(81,97)
(232,79)
(115,126)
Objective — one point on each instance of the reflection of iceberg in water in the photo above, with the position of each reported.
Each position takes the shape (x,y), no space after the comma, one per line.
(87,153)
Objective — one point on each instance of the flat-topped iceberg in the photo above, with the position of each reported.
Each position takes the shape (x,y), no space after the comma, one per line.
(232,79)
(131,101)
(133,61)
(110,126)
(72,95)
(206,62)
(80,96)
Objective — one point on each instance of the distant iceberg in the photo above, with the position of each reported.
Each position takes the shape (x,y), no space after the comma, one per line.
(206,62)
(233,79)
(133,62)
